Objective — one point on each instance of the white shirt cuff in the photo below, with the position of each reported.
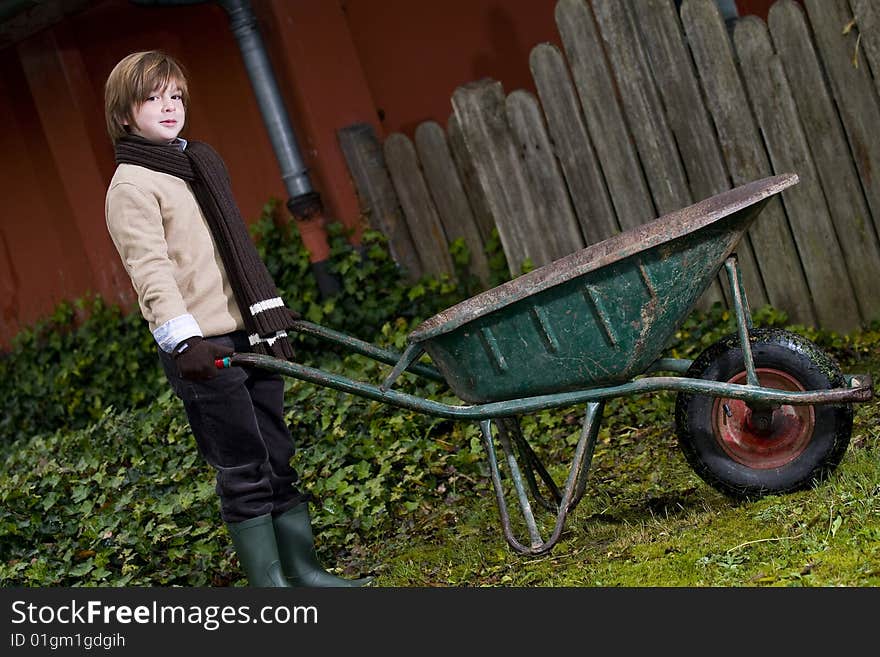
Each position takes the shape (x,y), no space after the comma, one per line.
(175,331)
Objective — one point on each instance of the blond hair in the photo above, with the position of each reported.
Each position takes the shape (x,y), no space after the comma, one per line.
(132,80)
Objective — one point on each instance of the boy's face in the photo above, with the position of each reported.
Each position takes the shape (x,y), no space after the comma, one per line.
(161,116)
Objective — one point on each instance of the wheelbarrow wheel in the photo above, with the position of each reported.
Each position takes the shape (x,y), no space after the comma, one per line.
(745,452)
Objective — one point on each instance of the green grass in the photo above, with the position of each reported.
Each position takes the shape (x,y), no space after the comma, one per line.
(647,520)
(127,501)
(101,483)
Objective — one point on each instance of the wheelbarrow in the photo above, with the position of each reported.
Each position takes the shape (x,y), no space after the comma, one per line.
(759,412)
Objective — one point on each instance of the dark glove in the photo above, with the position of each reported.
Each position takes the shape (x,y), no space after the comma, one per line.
(195,358)
(294,315)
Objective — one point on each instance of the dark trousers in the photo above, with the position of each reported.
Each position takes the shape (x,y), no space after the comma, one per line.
(238,423)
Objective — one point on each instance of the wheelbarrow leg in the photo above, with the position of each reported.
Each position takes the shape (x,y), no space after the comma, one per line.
(592,421)
(574,485)
(523,499)
(532,464)
(743,317)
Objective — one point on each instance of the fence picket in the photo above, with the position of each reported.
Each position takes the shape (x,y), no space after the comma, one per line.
(415,199)
(449,195)
(853,92)
(559,228)
(468,175)
(679,89)
(642,107)
(571,143)
(867,15)
(827,143)
(481,114)
(376,195)
(808,216)
(741,144)
(604,117)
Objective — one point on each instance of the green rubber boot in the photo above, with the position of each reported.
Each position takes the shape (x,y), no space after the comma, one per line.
(296,547)
(257,550)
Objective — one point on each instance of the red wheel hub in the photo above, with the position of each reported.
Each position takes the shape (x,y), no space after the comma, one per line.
(763,438)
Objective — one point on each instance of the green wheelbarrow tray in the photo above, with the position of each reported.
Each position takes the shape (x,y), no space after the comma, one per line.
(751,414)
(598,316)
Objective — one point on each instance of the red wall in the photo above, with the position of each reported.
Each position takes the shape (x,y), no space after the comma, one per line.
(415,54)
(390,63)
(757,7)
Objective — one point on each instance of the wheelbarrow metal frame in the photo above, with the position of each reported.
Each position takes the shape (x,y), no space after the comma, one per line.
(859,389)
(669,262)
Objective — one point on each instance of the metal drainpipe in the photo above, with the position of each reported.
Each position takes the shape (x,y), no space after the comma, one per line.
(303,201)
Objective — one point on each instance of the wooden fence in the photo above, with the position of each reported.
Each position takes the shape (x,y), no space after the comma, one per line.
(646,110)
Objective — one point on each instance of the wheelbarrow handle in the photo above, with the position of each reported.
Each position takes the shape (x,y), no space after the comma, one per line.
(359,347)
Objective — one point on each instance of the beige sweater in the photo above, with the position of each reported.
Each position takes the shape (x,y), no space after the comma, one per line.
(169,253)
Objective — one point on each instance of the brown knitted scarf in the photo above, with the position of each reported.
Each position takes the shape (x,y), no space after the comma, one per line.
(265,315)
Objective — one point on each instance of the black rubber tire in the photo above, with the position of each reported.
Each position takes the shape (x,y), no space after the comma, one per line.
(821,449)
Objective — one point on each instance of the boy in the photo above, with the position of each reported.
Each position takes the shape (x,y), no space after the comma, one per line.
(205,294)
